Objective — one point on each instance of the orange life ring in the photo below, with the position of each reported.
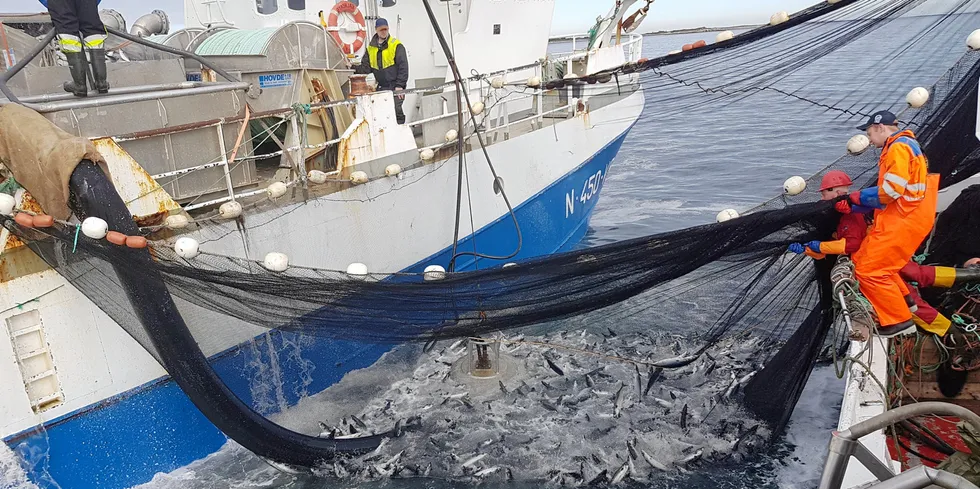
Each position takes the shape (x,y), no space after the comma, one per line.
(351,10)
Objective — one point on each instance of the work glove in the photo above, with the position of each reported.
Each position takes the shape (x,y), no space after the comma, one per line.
(814,246)
(843,206)
(796,248)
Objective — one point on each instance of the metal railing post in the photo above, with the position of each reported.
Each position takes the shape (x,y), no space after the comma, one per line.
(224,162)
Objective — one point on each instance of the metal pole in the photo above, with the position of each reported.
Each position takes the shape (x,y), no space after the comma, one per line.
(923,476)
(179,52)
(224,162)
(113,91)
(88,103)
(36,50)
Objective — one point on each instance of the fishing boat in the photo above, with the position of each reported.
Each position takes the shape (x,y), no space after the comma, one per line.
(248,132)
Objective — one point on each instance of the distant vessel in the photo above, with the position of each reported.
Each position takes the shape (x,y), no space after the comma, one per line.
(289,156)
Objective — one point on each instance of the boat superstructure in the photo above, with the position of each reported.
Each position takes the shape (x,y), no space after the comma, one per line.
(248,135)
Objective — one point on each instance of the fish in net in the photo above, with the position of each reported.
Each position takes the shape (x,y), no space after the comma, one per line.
(709,284)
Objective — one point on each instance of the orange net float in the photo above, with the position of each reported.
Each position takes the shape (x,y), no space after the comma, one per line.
(687,47)
(43,221)
(116,238)
(24,219)
(699,44)
(137,242)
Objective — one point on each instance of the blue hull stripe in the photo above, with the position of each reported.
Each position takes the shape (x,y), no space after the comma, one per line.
(125,440)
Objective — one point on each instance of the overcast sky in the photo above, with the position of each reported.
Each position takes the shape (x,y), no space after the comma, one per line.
(571,16)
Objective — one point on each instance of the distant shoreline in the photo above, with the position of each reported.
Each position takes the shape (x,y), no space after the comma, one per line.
(690,30)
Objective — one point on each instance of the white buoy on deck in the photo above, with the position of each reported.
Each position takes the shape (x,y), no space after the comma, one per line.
(177,221)
(917,97)
(778,18)
(317,176)
(477,108)
(276,262)
(497,82)
(434,272)
(726,215)
(393,169)
(276,190)
(7,204)
(857,144)
(186,248)
(94,227)
(230,210)
(451,135)
(534,81)
(794,185)
(357,270)
(973,42)
(724,36)
(427,154)
(358,177)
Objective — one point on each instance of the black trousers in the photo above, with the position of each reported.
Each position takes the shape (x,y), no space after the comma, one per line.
(76,16)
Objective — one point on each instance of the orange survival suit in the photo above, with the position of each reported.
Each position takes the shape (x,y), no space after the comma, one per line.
(905,199)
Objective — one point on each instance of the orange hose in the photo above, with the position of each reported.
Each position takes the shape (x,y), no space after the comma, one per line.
(241,134)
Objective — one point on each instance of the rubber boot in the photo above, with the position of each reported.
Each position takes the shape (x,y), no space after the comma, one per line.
(907,327)
(97,58)
(77,66)
(969,274)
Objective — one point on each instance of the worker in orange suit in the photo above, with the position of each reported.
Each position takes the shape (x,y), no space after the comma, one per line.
(851,229)
(905,202)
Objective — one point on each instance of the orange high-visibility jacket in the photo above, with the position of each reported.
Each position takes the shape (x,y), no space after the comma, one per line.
(901,176)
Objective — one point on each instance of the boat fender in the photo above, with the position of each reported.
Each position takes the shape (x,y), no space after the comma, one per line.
(393,169)
(534,81)
(116,238)
(477,108)
(7,204)
(778,18)
(857,144)
(973,41)
(917,97)
(137,242)
(724,36)
(24,219)
(95,227)
(497,82)
(317,176)
(276,190)
(276,262)
(726,215)
(43,221)
(794,185)
(177,221)
(427,154)
(187,248)
(230,210)
(451,135)
(434,272)
(358,177)
(357,271)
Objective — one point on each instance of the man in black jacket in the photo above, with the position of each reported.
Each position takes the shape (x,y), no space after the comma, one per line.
(387,59)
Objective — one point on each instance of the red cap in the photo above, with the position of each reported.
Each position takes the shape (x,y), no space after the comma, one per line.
(834,178)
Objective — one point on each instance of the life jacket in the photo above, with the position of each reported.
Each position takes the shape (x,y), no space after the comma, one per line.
(387,55)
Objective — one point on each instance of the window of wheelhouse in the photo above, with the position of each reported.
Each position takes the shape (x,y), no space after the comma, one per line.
(297,4)
(266,7)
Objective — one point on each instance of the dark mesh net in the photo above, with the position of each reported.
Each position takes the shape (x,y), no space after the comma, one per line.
(706,283)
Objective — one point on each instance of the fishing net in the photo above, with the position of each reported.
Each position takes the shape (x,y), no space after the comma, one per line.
(707,284)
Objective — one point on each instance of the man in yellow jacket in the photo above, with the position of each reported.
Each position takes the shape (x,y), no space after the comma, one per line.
(386,57)
(905,203)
